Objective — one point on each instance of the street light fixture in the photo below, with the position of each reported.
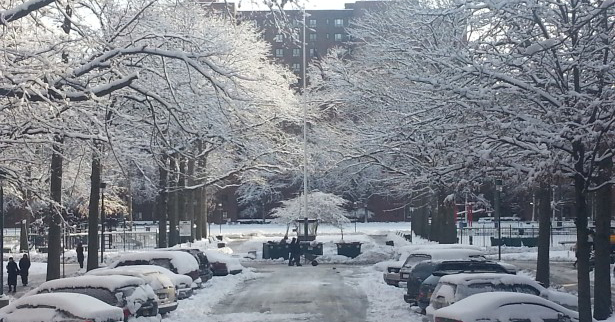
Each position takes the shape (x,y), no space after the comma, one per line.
(498,190)
(103,186)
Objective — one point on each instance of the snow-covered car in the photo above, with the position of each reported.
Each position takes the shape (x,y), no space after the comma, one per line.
(223,264)
(425,276)
(176,262)
(131,294)
(60,307)
(205,271)
(504,307)
(181,282)
(435,254)
(455,287)
(160,283)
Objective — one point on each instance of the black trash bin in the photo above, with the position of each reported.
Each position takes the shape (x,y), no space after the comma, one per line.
(351,250)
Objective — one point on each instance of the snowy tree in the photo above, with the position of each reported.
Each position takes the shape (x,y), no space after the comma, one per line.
(324,207)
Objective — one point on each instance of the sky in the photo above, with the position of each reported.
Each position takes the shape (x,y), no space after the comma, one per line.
(311,4)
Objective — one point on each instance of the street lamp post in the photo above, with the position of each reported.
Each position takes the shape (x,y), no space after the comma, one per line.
(103,186)
(220,219)
(498,190)
(1,233)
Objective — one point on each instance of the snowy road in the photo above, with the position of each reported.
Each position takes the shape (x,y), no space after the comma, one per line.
(322,293)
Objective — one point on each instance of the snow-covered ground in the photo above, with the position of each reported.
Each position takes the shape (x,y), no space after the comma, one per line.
(385,302)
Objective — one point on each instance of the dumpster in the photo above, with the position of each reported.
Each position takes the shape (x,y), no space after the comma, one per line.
(312,248)
(351,250)
(273,250)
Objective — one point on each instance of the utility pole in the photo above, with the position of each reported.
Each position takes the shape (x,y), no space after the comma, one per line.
(498,189)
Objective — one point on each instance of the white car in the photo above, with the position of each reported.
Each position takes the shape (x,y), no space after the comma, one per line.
(160,283)
(504,307)
(60,307)
(131,294)
(456,287)
(176,262)
(182,282)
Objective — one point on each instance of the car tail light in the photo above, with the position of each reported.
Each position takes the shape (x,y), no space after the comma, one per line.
(127,313)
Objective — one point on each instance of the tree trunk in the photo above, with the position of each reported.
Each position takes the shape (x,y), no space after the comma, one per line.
(93,210)
(181,189)
(55,211)
(602,274)
(198,206)
(161,203)
(544,234)
(584,293)
(189,198)
(172,204)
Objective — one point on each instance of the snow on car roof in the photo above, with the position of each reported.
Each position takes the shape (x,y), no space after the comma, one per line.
(83,306)
(176,278)
(155,279)
(183,262)
(484,305)
(501,278)
(448,253)
(110,282)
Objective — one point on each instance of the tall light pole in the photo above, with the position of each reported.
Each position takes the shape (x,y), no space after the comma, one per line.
(498,189)
(1,233)
(304,84)
(103,186)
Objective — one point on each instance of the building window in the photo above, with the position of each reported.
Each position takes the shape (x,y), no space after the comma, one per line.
(278,38)
(338,22)
(279,52)
(328,36)
(312,52)
(312,37)
(296,52)
(338,37)
(312,23)
(296,67)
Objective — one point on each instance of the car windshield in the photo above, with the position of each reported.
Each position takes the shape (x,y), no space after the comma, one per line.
(466,290)
(99,293)
(422,271)
(413,259)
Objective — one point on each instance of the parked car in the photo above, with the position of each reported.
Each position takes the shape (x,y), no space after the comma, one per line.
(205,271)
(504,307)
(436,254)
(60,307)
(419,294)
(453,288)
(181,282)
(223,264)
(176,262)
(131,294)
(160,283)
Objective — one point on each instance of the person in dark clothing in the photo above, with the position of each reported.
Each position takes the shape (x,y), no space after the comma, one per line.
(295,250)
(12,271)
(80,256)
(24,266)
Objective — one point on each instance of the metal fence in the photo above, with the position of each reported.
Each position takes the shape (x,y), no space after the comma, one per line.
(481,236)
(114,241)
